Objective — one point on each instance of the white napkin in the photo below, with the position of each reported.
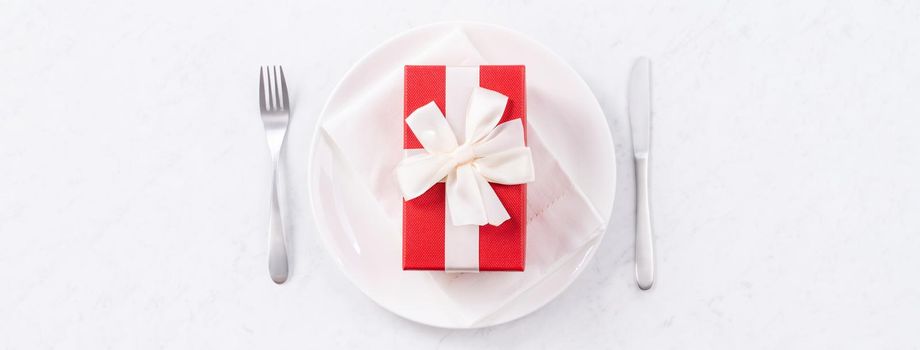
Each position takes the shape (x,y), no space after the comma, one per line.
(368,135)
(560,221)
(374,120)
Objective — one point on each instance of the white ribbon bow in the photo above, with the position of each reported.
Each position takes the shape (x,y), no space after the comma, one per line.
(490,153)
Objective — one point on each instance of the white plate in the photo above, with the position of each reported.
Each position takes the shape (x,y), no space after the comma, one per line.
(577,133)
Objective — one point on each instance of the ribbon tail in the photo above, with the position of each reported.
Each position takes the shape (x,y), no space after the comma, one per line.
(495,211)
(465,198)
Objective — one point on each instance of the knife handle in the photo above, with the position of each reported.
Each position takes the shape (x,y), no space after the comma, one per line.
(645,258)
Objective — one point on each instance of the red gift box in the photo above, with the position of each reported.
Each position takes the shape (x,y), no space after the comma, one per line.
(500,248)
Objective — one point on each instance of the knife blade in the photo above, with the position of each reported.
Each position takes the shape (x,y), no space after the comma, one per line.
(640,115)
(640,106)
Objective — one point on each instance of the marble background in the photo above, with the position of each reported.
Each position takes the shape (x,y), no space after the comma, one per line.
(134,174)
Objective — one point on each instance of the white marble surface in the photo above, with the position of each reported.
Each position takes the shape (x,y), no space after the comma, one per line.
(132,187)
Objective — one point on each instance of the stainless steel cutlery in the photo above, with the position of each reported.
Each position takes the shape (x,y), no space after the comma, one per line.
(276,113)
(640,114)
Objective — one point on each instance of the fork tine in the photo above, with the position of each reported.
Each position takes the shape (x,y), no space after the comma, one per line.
(285,103)
(278,105)
(262,90)
(272,101)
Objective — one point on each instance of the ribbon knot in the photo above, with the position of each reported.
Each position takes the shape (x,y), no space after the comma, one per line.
(490,152)
(463,154)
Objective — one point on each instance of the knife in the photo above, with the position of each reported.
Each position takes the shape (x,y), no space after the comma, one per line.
(640,114)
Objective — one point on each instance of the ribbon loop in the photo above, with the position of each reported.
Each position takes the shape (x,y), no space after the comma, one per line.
(490,153)
(483,113)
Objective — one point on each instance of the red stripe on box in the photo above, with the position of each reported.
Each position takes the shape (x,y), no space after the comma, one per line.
(423,216)
(501,248)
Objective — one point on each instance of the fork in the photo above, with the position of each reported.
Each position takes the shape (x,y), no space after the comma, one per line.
(276,113)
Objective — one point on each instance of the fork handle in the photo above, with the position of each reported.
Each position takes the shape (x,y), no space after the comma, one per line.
(277,251)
